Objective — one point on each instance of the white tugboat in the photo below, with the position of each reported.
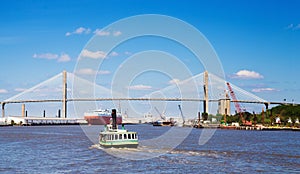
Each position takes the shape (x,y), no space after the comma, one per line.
(111,136)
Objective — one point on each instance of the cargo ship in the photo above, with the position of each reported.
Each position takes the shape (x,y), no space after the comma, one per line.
(101,117)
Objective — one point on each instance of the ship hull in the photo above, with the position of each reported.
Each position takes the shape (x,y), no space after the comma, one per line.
(101,120)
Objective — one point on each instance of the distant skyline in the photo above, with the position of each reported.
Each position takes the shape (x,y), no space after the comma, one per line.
(258,42)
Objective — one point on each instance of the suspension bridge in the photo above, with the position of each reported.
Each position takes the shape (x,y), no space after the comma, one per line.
(58,92)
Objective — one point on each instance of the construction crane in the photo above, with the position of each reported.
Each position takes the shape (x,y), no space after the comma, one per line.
(164,121)
(183,119)
(161,115)
(237,106)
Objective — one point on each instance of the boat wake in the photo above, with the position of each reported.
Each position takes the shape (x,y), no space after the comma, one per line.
(147,152)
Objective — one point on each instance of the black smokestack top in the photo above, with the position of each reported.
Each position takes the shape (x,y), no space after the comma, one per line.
(114,118)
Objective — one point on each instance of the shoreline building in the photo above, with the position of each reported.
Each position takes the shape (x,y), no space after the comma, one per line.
(224,105)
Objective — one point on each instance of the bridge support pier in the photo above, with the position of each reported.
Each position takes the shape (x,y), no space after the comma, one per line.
(267,107)
(205,86)
(23,110)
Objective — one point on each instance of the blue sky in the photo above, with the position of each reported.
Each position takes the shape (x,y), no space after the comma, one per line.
(258,42)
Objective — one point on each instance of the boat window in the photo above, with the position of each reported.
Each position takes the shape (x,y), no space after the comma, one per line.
(120,136)
(116,137)
(129,136)
(125,136)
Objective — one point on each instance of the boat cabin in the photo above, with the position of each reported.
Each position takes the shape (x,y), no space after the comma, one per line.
(118,136)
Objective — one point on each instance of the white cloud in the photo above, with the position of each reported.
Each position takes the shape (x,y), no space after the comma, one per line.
(80,30)
(290,26)
(293,27)
(20,89)
(117,33)
(64,58)
(246,74)
(128,53)
(94,55)
(113,54)
(264,90)
(101,32)
(50,56)
(89,71)
(86,71)
(3,91)
(140,87)
(68,34)
(297,27)
(174,81)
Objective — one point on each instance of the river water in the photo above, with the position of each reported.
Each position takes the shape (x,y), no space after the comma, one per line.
(73,149)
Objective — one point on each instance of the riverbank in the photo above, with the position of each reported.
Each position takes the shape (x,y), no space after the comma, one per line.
(262,128)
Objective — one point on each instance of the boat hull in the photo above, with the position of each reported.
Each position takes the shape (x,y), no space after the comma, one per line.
(123,145)
(163,123)
(228,127)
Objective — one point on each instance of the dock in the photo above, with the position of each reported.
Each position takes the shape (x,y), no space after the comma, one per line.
(35,121)
(261,128)
(272,128)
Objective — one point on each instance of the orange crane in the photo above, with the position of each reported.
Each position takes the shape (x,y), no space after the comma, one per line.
(237,106)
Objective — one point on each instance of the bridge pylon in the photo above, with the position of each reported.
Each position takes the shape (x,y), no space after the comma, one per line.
(64,97)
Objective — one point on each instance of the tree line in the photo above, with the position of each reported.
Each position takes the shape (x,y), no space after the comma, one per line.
(284,112)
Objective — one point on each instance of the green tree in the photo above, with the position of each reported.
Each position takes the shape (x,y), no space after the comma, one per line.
(286,111)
